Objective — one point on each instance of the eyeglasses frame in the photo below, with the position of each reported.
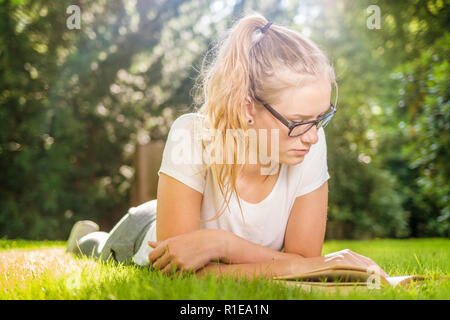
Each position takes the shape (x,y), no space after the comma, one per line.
(292,124)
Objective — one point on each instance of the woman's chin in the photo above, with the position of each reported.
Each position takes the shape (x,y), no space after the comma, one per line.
(292,160)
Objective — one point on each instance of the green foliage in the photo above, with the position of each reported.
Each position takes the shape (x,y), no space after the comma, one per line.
(72,110)
(363,196)
(427,96)
(417,134)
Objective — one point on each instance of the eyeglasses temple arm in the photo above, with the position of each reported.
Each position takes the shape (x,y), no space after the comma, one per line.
(276,114)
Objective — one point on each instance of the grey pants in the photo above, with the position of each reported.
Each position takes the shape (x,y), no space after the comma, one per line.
(124,240)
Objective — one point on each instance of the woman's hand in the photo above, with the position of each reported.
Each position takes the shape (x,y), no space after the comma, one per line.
(184,253)
(348,257)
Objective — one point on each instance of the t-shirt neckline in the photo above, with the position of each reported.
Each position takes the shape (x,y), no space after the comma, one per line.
(271,192)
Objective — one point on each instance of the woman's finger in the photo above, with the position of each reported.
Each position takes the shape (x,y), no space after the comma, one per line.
(156,253)
(153,244)
(171,267)
(361,259)
(370,264)
(162,261)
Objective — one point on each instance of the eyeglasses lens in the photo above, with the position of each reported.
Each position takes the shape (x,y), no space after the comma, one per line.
(301,129)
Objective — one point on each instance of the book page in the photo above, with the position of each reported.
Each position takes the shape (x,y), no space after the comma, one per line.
(396,280)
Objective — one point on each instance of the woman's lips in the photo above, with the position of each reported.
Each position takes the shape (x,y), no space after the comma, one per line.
(300,152)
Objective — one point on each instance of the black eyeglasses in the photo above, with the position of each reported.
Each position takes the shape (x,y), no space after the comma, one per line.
(298,128)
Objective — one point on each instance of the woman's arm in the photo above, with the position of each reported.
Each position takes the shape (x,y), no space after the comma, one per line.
(295,265)
(194,250)
(305,231)
(266,269)
(178,208)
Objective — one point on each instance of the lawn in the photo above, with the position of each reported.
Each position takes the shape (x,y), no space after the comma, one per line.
(42,270)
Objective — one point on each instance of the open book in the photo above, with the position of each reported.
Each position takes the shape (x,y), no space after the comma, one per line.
(346,277)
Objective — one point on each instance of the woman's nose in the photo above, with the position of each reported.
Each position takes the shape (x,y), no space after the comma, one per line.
(311,136)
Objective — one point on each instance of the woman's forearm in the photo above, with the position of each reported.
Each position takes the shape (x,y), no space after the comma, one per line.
(231,248)
(247,270)
(267,269)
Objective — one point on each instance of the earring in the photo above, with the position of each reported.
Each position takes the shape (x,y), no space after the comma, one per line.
(250,121)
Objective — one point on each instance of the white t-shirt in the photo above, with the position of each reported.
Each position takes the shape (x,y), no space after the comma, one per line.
(266,221)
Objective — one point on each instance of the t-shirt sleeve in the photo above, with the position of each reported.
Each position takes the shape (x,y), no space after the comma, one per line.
(315,170)
(182,155)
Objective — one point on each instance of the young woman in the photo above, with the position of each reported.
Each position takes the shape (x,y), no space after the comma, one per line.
(258,210)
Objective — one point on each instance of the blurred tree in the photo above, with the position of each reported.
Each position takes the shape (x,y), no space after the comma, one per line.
(419,94)
(29,50)
(425,92)
(71,110)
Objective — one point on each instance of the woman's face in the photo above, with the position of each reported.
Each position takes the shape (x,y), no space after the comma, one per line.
(295,104)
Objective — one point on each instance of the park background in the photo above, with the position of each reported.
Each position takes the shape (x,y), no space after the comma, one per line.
(84,113)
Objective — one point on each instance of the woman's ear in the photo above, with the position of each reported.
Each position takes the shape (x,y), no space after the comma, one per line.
(249,108)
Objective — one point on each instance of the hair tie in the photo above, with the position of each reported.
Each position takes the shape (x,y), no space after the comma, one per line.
(264,29)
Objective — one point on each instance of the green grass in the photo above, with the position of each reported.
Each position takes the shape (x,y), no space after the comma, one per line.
(28,244)
(67,277)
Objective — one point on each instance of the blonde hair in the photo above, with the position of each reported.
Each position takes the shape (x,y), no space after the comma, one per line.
(248,63)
